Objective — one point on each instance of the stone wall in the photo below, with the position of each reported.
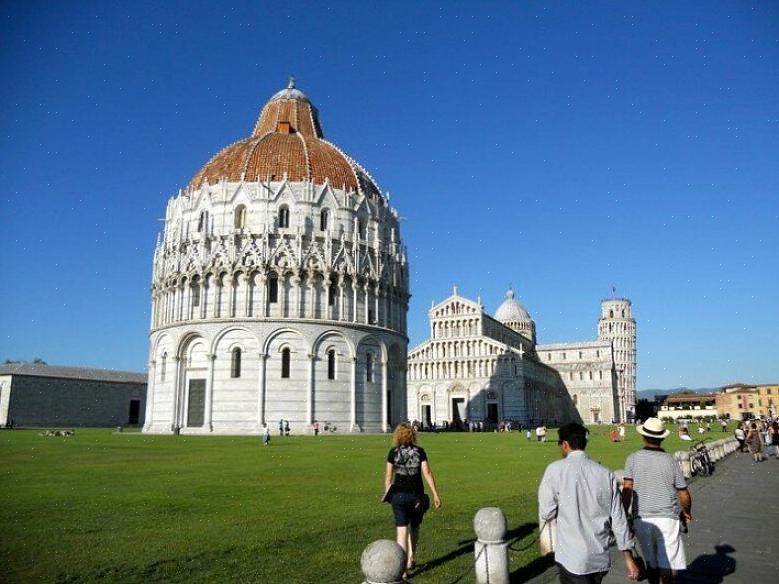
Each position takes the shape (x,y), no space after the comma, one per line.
(60,402)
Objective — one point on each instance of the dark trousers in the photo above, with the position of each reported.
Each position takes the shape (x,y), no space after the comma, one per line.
(567,578)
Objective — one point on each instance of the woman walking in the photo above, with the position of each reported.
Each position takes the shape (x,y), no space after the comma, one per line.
(755,442)
(740,436)
(406,465)
(773,433)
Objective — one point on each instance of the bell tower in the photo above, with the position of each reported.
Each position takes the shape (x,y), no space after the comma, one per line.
(617,326)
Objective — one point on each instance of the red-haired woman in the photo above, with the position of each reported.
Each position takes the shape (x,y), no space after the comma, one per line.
(406,465)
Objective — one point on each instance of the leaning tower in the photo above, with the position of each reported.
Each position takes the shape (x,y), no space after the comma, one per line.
(618,326)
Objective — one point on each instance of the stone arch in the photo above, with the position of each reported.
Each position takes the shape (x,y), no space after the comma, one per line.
(332,398)
(287,397)
(368,393)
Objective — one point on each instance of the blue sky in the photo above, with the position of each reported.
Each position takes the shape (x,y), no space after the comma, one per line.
(556,147)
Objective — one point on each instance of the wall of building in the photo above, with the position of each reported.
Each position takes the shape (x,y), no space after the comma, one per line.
(369,371)
(59,402)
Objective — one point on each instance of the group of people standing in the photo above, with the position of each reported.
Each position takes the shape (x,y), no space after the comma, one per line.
(585,500)
(757,437)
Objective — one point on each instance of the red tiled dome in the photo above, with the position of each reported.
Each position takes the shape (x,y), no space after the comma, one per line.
(287,140)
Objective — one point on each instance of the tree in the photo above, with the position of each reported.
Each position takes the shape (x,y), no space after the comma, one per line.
(644,409)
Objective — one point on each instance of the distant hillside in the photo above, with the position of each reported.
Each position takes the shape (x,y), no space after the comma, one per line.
(650,394)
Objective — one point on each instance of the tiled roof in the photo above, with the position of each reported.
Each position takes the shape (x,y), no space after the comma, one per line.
(287,141)
(40,370)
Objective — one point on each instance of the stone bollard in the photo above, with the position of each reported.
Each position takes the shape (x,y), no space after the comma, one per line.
(713,450)
(383,562)
(684,462)
(491,549)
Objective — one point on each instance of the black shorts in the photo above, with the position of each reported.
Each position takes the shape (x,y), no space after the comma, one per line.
(408,509)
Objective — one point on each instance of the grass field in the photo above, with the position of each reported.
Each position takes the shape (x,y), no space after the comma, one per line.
(104,507)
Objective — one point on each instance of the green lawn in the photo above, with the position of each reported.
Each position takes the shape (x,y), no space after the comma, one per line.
(103,507)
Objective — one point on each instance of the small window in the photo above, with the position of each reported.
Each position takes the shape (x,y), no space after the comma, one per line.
(581,376)
(195,294)
(324,220)
(331,292)
(331,364)
(369,367)
(371,316)
(575,399)
(235,363)
(611,314)
(202,222)
(600,374)
(284,217)
(581,354)
(570,376)
(590,373)
(163,363)
(240,217)
(549,356)
(597,354)
(563,356)
(285,364)
(361,228)
(623,314)
(273,289)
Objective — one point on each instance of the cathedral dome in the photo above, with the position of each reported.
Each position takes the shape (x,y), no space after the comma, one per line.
(287,142)
(511,310)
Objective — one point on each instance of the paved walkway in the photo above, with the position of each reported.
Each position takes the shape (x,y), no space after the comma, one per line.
(734,537)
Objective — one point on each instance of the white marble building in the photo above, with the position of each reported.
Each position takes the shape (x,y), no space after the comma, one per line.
(479,368)
(279,290)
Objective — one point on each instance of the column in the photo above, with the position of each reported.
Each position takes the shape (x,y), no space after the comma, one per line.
(174,410)
(380,318)
(246,280)
(367,309)
(154,316)
(354,395)
(209,393)
(261,392)
(261,285)
(327,310)
(341,314)
(297,282)
(384,405)
(309,308)
(354,299)
(202,289)
(310,396)
(147,419)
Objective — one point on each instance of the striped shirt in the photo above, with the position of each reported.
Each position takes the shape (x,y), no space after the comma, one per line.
(584,497)
(656,478)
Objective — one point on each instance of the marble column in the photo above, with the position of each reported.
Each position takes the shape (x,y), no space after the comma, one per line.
(311,388)
(261,392)
(354,395)
(384,402)
(209,393)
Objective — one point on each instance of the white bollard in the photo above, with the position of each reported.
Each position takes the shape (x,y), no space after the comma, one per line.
(383,562)
(684,462)
(491,549)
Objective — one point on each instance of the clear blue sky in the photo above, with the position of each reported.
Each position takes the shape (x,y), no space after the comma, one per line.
(557,148)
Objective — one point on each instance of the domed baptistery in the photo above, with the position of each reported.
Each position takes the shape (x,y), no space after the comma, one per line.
(280,289)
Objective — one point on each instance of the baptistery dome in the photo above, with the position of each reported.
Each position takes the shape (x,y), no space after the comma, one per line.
(279,289)
(287,142)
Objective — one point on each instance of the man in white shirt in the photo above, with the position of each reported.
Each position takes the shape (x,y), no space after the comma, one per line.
(584,498)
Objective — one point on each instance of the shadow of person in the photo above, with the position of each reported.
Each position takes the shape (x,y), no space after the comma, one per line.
(513,536)
(710,568)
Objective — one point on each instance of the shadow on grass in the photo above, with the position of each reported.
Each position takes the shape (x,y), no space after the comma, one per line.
(466,547)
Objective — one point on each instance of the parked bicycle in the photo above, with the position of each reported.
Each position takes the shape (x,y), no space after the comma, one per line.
(700,462)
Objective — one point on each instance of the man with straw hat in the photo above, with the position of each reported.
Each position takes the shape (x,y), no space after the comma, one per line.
(661,503)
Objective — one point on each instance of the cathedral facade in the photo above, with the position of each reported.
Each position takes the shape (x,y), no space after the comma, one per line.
(279,289)
(476,367)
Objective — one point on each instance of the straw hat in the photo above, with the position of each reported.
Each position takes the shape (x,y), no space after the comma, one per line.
(653,428)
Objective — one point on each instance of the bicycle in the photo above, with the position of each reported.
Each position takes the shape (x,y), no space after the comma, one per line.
(700,463)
